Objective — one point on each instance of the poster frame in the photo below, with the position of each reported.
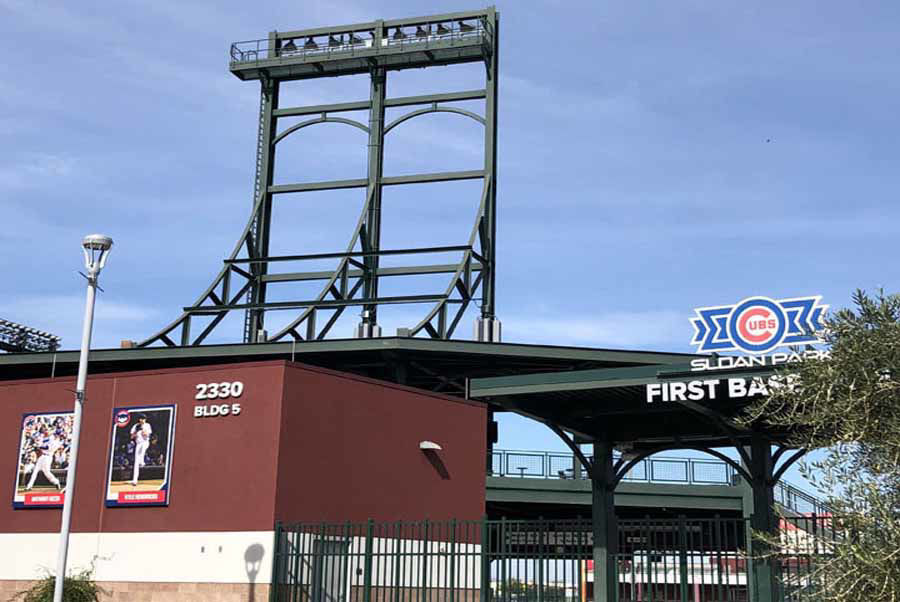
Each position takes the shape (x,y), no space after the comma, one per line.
(24,505)
(167,484)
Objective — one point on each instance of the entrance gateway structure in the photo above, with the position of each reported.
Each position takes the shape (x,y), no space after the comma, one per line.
(619,408)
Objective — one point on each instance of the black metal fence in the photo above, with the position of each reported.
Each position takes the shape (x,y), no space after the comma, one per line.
(665,470)
(683,560)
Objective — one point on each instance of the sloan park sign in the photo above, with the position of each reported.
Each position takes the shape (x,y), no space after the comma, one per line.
(756,326)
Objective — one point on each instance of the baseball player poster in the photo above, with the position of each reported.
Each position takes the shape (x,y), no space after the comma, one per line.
(140,461)
(43,460)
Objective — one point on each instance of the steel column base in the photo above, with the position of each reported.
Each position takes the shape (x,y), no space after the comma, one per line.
(367,330)
(487,330)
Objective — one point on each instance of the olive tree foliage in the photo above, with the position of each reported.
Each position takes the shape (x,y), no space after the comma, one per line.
(849,404)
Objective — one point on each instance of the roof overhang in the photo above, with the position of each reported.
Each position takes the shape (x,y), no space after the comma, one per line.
(627,404)
(426,363)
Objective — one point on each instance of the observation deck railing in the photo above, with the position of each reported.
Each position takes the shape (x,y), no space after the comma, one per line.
(356,43)
(660,470)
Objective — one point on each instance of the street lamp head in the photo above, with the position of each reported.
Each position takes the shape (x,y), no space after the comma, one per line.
(97,241)
(96,250)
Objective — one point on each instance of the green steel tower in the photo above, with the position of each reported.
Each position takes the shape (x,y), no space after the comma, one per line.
(250,272)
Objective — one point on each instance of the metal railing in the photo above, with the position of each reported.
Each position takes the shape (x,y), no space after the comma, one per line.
(663,470)
(558,465)
(539,560)
(355,43)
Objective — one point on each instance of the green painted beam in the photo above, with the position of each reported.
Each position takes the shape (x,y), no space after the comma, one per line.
(600,378)
(283,305)
(447,268)
(639,495)
(341,107)
(424,178)
(240,351)
(316,186)
(427,99)
(363,105)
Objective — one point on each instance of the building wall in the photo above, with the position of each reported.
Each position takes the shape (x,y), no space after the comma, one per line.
(212,466)
(221,505)
(309,444)
(350,451)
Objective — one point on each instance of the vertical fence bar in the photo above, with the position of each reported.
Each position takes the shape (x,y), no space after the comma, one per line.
(406,562)
(346,543)
(397,583)
(367,562)
(502,556)
(452,568)
(296,558)
(276,564)
(682,558)
(541,533)
(426,559)
(485,561)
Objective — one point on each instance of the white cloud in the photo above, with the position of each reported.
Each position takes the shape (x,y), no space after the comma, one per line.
(62,315)
(639,329)
(36,169)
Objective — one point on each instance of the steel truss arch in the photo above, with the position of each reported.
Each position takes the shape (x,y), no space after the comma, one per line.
(323,119)
(433,109)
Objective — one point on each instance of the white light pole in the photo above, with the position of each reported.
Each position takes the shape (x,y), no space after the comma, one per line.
(96,250)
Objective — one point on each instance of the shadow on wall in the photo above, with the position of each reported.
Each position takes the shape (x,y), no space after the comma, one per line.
(253,556)
(437,463)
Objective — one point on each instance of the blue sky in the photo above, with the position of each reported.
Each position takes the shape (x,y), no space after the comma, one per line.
(654,157)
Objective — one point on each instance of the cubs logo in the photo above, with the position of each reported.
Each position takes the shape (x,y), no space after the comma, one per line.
(758,324)
(122,418)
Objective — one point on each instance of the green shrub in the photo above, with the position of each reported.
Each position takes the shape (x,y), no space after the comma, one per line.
(79,587)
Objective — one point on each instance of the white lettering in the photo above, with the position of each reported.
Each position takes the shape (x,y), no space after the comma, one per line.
(222,390)
(757,387)
(751,361)
(222,410)
(699,365)
(677,391)
(737,387)
(695,390)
